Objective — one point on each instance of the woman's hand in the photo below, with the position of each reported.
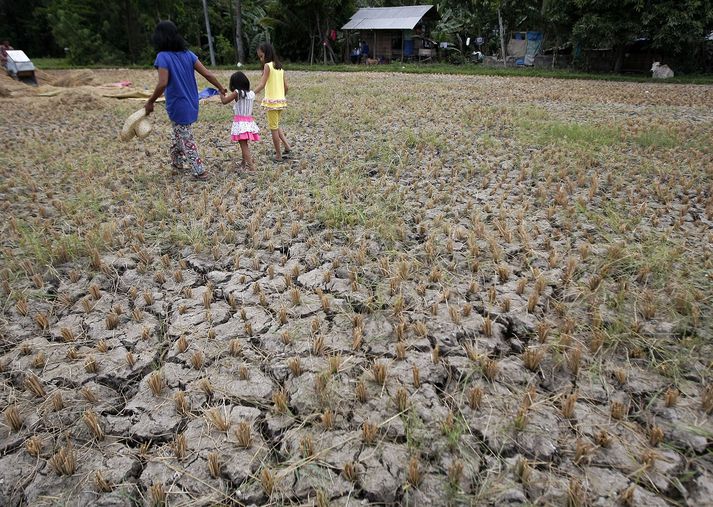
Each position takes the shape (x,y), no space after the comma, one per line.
(148,107)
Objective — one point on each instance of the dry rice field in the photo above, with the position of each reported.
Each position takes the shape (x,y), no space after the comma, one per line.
(458,291)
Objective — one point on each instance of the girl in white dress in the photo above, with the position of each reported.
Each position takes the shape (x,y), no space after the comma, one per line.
(244,127)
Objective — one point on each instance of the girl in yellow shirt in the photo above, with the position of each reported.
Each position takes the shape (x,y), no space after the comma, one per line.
(274,83)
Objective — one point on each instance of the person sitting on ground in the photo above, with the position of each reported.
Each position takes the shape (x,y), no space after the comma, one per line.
(4,48)
(356,55)
(364,50)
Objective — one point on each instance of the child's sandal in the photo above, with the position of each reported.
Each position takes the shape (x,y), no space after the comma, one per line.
(204,176)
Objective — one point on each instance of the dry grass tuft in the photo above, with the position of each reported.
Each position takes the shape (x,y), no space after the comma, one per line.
(369,433)
(327,419)
(13,418)
(523,470)
(401,399)
(57,401)
(180,446)
(243,434)
(351,471)
(197,360)
(360,392)
(214,465)
(34,385)
(577,496)
(379,372)
(91,420)
(568,405)
(490,368)
(279,400)
(267,481)
(671,397)
(67,334)
(64,462)
(618,410)
(33,446)
(101,483)
(656,435)
(157,495)
(475,397)
(218,419)
(182,403)
(532,357)
(90,365)
(156,383)
(707,399)
(414,476)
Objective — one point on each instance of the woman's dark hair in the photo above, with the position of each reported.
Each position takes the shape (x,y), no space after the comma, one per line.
(270,55)
(239,82)
(167,38)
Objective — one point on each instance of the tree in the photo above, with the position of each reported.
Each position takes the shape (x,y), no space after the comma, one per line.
(608,22)
(239,31)
(306,25)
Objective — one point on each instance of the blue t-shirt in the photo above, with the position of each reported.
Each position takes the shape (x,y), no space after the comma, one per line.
(182,90)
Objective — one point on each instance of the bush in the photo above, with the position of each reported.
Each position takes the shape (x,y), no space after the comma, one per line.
(224,51)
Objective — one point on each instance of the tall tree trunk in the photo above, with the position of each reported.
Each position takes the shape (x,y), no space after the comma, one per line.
(502,37)
(239,31)
(210,36)
(619,61)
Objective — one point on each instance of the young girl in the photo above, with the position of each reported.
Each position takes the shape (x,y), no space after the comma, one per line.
(175,66)
(244,127)
(275,85)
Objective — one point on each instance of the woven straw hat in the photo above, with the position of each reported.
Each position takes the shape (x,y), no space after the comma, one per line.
(136,125)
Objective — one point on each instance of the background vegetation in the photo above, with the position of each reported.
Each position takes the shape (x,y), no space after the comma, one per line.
(93,31)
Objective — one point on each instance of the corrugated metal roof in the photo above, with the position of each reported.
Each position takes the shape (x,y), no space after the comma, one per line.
(387,18)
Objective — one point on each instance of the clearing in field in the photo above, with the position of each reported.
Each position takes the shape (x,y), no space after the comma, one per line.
(464,290)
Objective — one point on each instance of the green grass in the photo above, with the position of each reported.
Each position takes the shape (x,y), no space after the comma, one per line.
(559,132)
(415,68)
(348,198)
(657,138)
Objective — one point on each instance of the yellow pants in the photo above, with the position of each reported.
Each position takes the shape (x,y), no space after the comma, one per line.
(273,119)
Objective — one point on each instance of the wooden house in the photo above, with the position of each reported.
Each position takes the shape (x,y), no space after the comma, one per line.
(393,33)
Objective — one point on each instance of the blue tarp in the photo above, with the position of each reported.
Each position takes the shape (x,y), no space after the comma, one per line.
(208,92)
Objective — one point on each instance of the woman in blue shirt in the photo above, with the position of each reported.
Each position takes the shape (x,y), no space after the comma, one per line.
(176,65)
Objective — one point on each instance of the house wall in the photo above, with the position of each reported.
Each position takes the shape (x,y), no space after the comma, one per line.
(382,48)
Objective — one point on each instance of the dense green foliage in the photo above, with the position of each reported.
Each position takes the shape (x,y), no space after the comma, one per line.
(91,31)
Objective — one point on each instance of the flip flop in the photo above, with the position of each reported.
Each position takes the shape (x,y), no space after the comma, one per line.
(204,176)
(278,160)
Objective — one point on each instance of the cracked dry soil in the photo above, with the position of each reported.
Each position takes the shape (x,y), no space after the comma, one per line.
(460,290)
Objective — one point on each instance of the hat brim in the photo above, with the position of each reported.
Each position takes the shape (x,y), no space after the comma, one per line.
(143,128)
(128,130)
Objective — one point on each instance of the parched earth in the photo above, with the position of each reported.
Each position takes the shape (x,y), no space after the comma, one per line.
(459,290)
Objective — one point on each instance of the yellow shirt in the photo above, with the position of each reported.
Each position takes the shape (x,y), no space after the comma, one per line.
(275,89)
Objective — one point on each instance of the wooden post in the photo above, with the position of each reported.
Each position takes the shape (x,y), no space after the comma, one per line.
(502,38)
(403,33)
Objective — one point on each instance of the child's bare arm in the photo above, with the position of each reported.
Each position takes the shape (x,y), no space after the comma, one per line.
(263,79)
(228,97)
(284,79)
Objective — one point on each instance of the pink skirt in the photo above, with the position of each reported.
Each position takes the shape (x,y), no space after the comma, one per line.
(246,136)
(244,129)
